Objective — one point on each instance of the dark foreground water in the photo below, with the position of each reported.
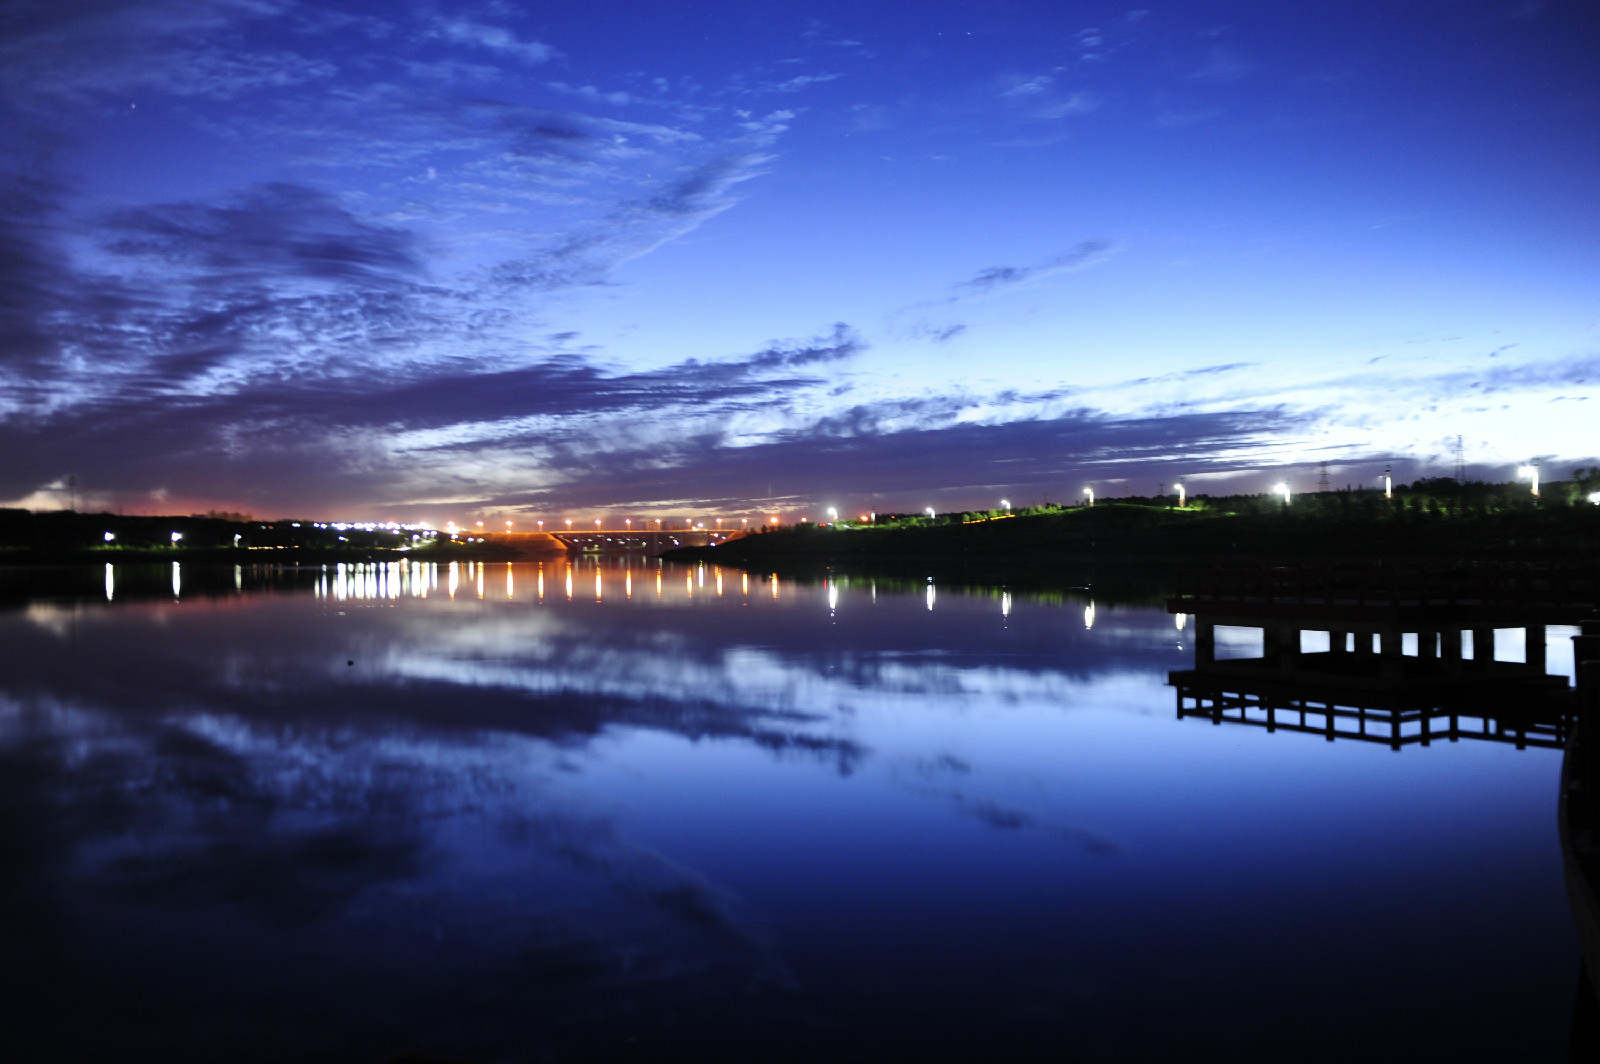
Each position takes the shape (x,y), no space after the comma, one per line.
(499,813)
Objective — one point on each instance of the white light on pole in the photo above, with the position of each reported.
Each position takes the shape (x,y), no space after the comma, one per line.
(1282,489)
(1388,483)
(1089,492)
(929,512)
(1005,504)
(1531,471)
(1183,496)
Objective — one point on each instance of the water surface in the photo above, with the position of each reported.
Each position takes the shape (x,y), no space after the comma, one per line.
(504,812)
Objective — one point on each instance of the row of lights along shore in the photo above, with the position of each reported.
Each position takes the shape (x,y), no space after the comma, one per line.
(1529,472)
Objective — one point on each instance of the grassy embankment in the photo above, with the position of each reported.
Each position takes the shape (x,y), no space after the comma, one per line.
(1436,523)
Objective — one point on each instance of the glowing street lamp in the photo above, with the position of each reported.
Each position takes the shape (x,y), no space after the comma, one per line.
(1531,471)
(597,524)
(569,524)
(110,536)
(1005,504)
(1282,489)
(1089,492)
(508,526)
(658,524)
(175,537)
(541,527)
(1388,483)
(930,513)
(719,524)
(833,515)
(1183,496)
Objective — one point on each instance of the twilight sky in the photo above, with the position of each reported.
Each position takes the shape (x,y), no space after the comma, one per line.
(391,260)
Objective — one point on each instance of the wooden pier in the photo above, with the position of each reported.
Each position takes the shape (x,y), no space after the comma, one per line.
(1409,659)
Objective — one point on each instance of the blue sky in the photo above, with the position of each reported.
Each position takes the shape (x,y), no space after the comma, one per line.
(444,261)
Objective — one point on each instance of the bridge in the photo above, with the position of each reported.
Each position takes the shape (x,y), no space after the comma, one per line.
(611,540)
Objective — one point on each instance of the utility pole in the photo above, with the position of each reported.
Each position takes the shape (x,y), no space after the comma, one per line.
(1322,477)
(1461,461)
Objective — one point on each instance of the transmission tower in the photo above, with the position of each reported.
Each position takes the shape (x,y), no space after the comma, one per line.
(1322,477)
(1461,461)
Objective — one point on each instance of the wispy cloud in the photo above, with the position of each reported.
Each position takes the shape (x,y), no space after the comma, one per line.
(994,278)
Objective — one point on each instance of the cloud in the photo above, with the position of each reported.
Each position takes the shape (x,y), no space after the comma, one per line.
(274,231)
(1085,254)
(496,39)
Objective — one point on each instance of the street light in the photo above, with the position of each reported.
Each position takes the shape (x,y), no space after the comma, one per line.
(833,515)
(1005,504)
(1183,498)
(541,527)
(1089,492)
(1282,489)
(1388,483)
(569,524)
(110,536)
(1531,470)
(930,513)
(175,537)
(508,526)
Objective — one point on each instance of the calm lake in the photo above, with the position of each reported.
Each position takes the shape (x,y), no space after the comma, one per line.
(613,809)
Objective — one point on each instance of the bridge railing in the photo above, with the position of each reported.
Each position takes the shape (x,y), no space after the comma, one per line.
(1391,586)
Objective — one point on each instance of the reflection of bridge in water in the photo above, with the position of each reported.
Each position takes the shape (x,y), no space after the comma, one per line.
(1382,656)
(610,540)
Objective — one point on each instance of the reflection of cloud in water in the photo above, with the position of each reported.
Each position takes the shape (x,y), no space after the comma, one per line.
(348,883)
(938,777)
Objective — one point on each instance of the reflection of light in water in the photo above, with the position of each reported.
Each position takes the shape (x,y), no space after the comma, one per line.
(774,585)
(541,581)
(1005,603)
(719,583)
(1180,620)
(872,589)
(177,580)
(480,580)
(658,583)
(510,590)
(1088,615)
(627,582)
(569,581)
(238,578)
(744,583)
(700,574)
(930,595)
(688,584)
(111,582)
(599,588)
(833,596)
(455,577)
